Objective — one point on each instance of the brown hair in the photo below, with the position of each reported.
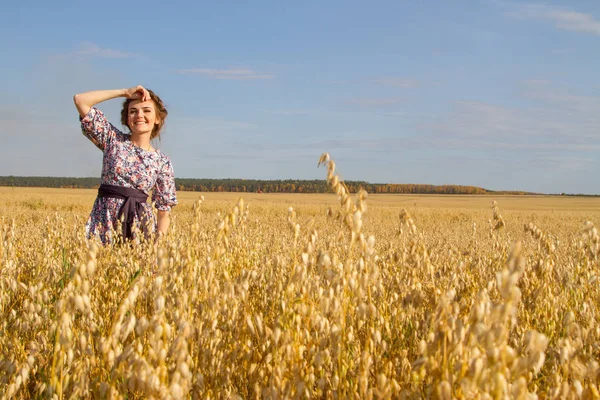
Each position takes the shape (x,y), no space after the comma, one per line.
(161,113)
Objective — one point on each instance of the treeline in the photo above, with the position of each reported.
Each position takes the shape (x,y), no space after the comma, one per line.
(253,185)
(315,186)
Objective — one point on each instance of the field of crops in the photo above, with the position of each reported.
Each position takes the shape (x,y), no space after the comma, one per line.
(304,296)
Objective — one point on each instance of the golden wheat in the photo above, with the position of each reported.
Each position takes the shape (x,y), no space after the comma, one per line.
(290,298)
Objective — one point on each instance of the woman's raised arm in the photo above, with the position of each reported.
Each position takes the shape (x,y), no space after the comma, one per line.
(85,101)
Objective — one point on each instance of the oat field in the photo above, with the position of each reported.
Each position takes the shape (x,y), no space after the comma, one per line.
(331,296)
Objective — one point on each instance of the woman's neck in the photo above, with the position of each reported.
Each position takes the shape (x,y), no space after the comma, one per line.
(142,141)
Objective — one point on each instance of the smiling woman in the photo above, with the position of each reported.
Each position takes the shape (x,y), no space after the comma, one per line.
(131,167)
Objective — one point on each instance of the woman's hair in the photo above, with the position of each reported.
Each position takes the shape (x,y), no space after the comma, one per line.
(161,113)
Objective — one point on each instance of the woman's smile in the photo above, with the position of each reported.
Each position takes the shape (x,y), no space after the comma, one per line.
(142,116)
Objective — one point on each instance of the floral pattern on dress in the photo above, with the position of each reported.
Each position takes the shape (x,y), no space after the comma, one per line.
(125,164)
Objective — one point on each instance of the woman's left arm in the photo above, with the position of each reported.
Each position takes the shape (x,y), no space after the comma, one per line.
(163,221)
(164,197)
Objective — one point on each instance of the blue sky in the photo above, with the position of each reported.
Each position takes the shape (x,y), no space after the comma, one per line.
(498,94)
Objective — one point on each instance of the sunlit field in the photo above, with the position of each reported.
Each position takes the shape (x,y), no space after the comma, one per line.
(304,296)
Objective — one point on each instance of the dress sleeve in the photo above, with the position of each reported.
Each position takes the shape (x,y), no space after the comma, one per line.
(163,194)
(96,127)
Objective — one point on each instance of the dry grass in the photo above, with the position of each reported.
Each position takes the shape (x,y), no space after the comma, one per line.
(298,296)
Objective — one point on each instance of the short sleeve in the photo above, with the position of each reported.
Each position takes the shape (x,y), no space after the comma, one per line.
(96,127)
(164,195)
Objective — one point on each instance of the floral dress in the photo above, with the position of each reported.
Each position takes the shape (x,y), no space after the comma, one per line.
(125,164)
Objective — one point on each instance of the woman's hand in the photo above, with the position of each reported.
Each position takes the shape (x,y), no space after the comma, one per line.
(137,93)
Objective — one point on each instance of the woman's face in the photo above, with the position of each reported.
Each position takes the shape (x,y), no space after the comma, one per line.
(142,116)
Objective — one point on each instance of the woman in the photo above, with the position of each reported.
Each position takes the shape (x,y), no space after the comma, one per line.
(131,167)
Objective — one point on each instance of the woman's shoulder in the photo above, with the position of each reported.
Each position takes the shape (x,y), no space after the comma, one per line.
(161,154)
(164,160)
(157,155)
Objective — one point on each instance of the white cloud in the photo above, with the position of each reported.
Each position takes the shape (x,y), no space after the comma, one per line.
(564,51)
(559,120)
(398,82)
(93,50)
(292,112)
(212,126)
(565,163)
(562,19)
(229,73)
(375,101)
(545,92)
